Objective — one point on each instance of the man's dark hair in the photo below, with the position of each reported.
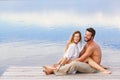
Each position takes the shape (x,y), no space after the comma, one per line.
(92,30)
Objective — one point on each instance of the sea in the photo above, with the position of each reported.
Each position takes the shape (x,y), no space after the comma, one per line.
(32,45)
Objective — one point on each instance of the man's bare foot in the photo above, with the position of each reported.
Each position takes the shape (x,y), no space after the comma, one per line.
(105,67)
(106,72)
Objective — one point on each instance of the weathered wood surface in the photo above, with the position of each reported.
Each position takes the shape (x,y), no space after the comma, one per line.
(35,73)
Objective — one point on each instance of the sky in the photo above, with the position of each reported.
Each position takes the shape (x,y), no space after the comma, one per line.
(60,12)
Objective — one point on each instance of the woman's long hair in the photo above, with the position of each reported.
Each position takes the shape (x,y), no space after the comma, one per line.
(71,40)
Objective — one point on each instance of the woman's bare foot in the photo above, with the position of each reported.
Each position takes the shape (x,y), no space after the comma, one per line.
(49,67)
(106,72)
(48,70)
(46,73)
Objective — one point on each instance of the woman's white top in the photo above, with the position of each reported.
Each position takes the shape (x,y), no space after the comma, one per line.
(73,51)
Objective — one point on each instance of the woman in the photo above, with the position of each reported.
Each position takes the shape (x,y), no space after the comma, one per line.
(72,50)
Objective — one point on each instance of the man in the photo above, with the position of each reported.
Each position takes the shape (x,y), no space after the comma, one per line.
(91,54)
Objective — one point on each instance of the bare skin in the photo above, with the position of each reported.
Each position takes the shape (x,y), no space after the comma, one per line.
(91,53)
(49,69)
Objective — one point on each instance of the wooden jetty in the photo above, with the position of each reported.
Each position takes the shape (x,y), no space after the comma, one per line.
(36,73)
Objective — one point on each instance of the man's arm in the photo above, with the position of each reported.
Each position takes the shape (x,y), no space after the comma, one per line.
(86,54)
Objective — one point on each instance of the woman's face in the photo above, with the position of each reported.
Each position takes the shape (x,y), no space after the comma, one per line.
(76,37)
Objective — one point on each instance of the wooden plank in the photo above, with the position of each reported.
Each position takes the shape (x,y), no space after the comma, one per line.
(35,73)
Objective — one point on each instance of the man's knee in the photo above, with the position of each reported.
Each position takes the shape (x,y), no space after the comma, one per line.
(84,67)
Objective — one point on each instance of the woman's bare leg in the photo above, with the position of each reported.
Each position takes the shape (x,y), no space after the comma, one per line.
(93,64)
(49,69)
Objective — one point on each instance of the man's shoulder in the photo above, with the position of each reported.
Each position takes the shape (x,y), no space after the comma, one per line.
(91,47)
(95,47)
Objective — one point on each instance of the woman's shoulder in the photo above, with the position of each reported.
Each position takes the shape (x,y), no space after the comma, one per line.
(79,44)
(72,44)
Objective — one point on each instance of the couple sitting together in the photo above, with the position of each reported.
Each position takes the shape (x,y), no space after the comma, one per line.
(75,59)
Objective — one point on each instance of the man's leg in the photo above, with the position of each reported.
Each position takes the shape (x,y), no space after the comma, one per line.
(74,66)
(84,67)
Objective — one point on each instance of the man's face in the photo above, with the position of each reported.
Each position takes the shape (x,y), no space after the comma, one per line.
(88,36)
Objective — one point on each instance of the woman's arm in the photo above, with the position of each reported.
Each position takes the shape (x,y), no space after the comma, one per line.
(64,61)
(68,54)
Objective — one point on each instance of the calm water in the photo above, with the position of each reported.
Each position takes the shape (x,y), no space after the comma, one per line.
(33,46)
(107,37)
